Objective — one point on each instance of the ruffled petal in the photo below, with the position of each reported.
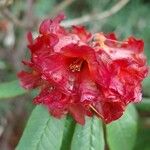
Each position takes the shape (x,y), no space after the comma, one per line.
(87,53)
(133,44)
(87,88)
(54,100)
(78,112)
(74,50)
(110,110)
(29,80)
(65,41)
(54,69)
(84,74)
(52,26)
(43,43)
(82,33)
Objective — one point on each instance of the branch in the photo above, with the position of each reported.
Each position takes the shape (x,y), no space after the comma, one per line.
(5,3)
(29,18)
(94,17)
(27,22)
(61,6)
(6,13)
(77,21)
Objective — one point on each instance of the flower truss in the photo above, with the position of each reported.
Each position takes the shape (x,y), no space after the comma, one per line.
(81,73)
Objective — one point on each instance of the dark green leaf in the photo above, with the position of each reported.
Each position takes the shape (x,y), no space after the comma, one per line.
(88,137)
(142,142)
(146,87)
(68,133)
(144,104)
(43,132)
(10,89)
(121,134)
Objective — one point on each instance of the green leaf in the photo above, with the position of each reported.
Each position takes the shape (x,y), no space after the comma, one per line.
(144,105)
(146,87)
(10,89)
(88,137)
(143,138)
(68,133)
(43,132)
(121,134)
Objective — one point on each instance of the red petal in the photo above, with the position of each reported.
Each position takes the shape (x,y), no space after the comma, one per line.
(54,100)
(74,50)
(45,97)
(87,88)
(43,43)
(111,36)
(29,80)
(97,67)
(110,110)
(52,26)
(134,45)
(55,70)
(82,33)
(78,112)
(29,37)
(66,40)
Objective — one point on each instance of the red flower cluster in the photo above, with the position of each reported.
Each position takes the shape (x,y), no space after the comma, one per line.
(82,73)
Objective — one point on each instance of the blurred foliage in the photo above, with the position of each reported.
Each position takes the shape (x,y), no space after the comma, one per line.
(44,6)
(133,19)
(14,89)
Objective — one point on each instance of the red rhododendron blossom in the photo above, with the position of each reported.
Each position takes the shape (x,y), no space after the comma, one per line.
(81,73)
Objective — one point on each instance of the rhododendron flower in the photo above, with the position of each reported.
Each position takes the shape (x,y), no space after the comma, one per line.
(81,73)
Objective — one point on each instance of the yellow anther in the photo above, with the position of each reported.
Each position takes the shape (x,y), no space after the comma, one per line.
(76,65)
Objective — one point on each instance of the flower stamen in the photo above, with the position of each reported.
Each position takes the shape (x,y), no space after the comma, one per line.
(119,42)
(95,111)
(76,65)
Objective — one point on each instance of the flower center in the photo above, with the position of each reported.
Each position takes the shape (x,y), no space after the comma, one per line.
(76,65)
